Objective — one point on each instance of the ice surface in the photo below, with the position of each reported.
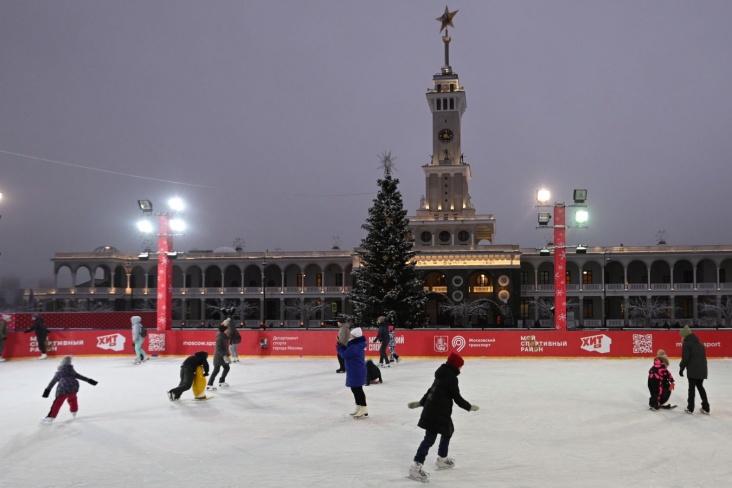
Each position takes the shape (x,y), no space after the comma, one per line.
(285,422)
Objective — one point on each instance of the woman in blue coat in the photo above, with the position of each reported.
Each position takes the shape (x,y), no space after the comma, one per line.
(354,357)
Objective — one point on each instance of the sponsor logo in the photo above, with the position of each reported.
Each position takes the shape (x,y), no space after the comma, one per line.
(112,342)
(458,342)
(597,343)
(442,344)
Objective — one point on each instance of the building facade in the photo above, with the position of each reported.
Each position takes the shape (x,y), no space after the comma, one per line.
(606,286)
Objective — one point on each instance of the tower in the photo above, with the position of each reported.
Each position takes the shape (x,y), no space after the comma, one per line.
(446,216)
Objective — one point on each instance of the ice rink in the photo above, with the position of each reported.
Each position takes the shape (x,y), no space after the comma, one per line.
(285,423)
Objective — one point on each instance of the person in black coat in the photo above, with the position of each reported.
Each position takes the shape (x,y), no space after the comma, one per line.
(382,336)
(694,360)
(39,326)
(436,416)
(187,372)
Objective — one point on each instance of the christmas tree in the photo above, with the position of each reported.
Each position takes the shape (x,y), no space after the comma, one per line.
(386,281)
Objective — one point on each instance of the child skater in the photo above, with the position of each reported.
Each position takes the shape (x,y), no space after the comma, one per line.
(68,385)
(393,356)
(436,417)
(660,382)
(354,355)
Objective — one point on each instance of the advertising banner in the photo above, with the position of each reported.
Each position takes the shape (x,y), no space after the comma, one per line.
(415,343)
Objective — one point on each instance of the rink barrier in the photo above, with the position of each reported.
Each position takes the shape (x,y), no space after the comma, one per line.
(521,343)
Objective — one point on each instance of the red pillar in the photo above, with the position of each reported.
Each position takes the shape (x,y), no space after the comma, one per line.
(165,274)
(560,268)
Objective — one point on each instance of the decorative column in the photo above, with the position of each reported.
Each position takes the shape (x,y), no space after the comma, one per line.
(560,268)
(165,274)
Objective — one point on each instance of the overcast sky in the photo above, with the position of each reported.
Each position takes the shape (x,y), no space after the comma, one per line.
(268,118)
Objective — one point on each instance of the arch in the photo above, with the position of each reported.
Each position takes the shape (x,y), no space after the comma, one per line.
(706,271)
(480,284)
(194,277)
(232,276)
(102,276)
(83,277)
(63,277)
(683,272)
(637,272)
(293,276)
(660,272)
(212,277)
(313,275)
(435,281)
(178,279)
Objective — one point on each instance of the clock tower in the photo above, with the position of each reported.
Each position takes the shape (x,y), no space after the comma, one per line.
(446,216)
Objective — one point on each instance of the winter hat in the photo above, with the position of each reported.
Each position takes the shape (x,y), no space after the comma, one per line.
(455,359)
(391,328)
(222,328)
(685,331)
(661,354)
(380,319)
(226,322)
(136,319)
(357,332)
(65,361)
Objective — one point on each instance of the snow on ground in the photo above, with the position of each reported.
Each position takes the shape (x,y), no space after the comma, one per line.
(285,423)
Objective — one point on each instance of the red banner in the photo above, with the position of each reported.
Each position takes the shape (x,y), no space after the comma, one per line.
(421,343)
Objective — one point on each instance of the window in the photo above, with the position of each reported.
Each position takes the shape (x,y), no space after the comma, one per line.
(525,308)
(587,277)
(299,280)
(444,235)
(588,310)
(524,277)
(339,279)
(482,280)
(319,279)
(452,104)
(426,236)
(439,102)
(544,278)
(568,278)
(463,236)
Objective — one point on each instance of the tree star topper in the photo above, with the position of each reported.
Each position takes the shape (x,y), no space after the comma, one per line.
(386,162)
(446,19)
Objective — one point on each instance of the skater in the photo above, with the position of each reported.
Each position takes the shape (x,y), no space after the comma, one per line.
(382,336)
(234,339)
(660,382)
(39,326)
(187,371)
(373,372)
(68,385)
(354,355)
(138,338)
(436,417)
(393,356)
(694,360)
(344,333)
(3,334)
(221,358)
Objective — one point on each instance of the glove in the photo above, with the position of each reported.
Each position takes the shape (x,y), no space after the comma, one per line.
(227,359)
(672,386)
(473,408)
(681,373)
(93,382)
(46,392)
(413,405)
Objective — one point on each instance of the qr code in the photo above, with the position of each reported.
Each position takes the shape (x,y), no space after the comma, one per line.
(642,344)
(156,342)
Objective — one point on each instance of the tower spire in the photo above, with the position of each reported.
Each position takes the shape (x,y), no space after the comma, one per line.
(445,20)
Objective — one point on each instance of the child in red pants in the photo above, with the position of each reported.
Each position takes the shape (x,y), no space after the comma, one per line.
(68,385)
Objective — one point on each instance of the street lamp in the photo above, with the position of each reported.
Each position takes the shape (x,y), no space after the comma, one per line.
(604,286)
(264,294)
(167,228)
(128,272)
(543,197)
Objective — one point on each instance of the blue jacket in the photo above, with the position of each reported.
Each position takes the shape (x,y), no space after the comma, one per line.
(354,356)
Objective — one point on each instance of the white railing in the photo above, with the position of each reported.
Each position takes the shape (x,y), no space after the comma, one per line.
(546,287)
(615,287)
(592,287)
(660,286)
(683,286)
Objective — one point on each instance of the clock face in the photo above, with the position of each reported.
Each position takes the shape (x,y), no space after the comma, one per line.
(445,135)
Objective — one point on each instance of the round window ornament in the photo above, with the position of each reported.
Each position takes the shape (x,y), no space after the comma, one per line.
(503,280)
(504,295)
(457,281)
(457,296)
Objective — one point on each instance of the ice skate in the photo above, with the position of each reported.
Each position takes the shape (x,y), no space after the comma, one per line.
(42,356)
(705,412)
(223,384)
(211,388)
(137,361)
(47,421)
(653,409)
(355,410)
(171,396)
(361,412)
(690,412)
(73,414)
(416,473)
(2,360)
(445,463)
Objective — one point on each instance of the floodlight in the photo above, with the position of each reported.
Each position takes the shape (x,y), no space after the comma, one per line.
(176,204)
(543,196)
(579,196)
(581,217)
(581,249)
(544,252)
(177,225)
(145,226)
(544,218)
(143,256)
(145,206)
